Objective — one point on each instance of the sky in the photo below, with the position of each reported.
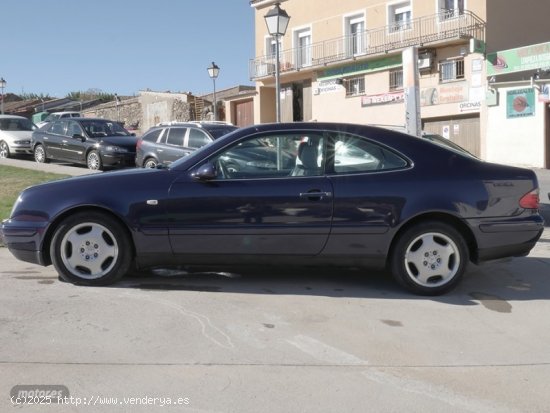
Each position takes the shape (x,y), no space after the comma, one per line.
(124,46)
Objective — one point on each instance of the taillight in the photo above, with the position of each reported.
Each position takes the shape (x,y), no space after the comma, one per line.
(530,200)
(138,144)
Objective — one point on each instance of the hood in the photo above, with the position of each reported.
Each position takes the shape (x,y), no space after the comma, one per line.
(16,134)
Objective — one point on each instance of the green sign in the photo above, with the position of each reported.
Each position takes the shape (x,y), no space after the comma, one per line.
(520,59)
(360,68)
(520,103)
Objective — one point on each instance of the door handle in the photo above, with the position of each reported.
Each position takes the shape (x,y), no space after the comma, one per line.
(315,194)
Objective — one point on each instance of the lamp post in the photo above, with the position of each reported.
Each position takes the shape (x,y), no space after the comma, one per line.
(2,86)
(277,20)
(213,72)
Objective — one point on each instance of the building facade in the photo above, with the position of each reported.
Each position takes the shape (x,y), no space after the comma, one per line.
(342,61)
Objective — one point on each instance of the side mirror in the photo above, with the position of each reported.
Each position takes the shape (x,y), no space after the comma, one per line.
(78,136)
(206,172)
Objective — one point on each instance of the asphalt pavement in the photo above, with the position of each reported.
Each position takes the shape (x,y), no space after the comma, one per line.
(273,341)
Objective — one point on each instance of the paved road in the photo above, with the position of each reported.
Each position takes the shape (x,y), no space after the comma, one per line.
(264,341)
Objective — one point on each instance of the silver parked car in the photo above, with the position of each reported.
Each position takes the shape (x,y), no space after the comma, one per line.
(15,135)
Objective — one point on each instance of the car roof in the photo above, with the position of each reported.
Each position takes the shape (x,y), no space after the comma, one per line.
(12,117)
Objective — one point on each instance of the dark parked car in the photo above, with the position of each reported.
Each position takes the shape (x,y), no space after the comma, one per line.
(354,195)
(167,142)
(97,143)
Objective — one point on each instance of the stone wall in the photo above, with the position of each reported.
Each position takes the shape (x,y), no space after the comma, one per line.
(127,111)
(140,113)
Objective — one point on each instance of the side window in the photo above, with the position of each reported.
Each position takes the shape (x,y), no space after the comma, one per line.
(272,156)
(74,129)
(59,127)
(152,136)
(197,138)
(175,136)
(353,154)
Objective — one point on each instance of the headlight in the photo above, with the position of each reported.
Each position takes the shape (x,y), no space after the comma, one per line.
(25,142)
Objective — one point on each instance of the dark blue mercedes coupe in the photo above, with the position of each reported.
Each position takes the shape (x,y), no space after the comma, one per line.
(351,195)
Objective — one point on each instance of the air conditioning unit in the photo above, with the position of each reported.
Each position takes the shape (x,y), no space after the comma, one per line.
(425,61)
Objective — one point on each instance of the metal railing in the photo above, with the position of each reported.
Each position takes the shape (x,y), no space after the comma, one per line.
(423,31)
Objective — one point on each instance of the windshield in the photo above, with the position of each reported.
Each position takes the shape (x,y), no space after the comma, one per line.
(447,143)
(16,124)
(100,129)
(219,131)
(197,154)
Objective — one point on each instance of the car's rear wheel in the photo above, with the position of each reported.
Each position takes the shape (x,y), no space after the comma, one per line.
(150,163)
(91,248)
(93,160)
(40,154)
(4,150)
(429,258)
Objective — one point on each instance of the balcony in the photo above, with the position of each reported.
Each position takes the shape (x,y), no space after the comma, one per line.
(423,31)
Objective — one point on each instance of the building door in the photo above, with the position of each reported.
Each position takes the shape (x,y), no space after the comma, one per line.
(462,131)
(243,113)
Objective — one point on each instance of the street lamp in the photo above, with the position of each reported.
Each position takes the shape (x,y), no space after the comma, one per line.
(2,86)
(213,72)
(277,22)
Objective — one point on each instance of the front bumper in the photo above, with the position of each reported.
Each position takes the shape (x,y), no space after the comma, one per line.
(21,149)
(24,240)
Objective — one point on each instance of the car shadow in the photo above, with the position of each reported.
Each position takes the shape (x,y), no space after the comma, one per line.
(494,285)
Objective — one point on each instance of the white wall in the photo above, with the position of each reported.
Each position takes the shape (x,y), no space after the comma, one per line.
(515,141)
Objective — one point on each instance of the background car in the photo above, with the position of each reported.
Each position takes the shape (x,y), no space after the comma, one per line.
(15,136)
(167,142)
(57,115)
(389,201)
(97,143)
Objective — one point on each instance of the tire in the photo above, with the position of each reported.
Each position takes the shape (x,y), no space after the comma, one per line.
(150,163)
(40,154)
(91,248)
(429,258)
(93,160)
(4,150)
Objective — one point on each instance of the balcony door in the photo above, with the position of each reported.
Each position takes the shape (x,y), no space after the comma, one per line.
(355,35)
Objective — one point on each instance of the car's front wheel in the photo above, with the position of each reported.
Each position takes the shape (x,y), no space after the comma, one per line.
(429,258)
(4,150)
(40,154)
(91,248)
(93,160)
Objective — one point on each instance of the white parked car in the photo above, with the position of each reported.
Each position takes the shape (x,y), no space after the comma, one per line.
(58,115)
(15,135)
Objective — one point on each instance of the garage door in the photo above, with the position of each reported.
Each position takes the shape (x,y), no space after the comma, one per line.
(463,131)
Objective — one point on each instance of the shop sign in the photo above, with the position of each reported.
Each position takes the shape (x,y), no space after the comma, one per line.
(327,86)
(520,59)
(544,93)
(451,93)
(520,103)
(361,68)
(391,97)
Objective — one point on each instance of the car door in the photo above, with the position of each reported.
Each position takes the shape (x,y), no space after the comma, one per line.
(174,147)
(74,146)
(265,207)
(53,139)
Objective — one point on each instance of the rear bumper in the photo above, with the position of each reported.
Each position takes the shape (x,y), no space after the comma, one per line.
(119,159)
(510,238)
